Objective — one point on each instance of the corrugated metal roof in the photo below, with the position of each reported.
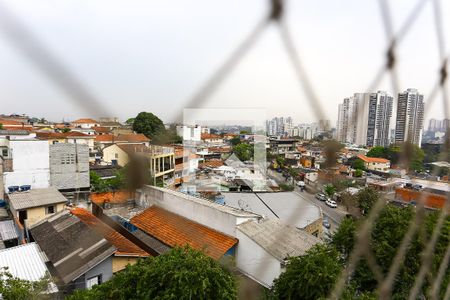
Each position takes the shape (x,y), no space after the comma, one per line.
(36,197)
(280,240)
(8,230)
(25,262)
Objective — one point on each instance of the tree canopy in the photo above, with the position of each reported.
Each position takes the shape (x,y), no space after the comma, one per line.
(182,273)
(313,275)
(18,289)
(148,124)
(243,151)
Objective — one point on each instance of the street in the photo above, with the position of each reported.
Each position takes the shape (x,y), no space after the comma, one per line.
(334,215)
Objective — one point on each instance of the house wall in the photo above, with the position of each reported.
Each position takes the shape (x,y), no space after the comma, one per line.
(37,214)
(30,164)
(109,154)
(256,262)
(204,214)
(382,167)
(120,262)
(69,166)
(82,141)
(315,228)
(104,269)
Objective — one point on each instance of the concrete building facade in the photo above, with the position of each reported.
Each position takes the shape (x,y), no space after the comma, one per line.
(410,113)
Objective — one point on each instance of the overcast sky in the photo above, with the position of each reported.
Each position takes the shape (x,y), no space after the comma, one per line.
(153,55)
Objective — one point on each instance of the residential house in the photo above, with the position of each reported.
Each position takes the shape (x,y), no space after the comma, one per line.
(212,139)
(281,146)
(69,169)
(100,130)
(25,162)
(85,123)
(189,133)
(174,230)
(127,253)
(72,137)
(186,164)
(29,207)
(79,257)
(9,124)
(111,123)
(265,247)
(375,163)
(26,262)
(160,160)
(18,134)
(9,236)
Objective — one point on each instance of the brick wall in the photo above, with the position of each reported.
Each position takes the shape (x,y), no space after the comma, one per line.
(431,200)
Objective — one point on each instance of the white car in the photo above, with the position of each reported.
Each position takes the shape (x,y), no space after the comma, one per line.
(300,183)
(331,203)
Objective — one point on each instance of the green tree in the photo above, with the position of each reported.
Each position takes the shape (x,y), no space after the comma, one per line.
(167,137)
(366,199)
(344,238)
(1,126)
(18,289)
(311,276)
(130,121)
(182,273)
(330,190)
(280,161)
(65,130)
(235,140)
(243,151)
(98,185)
(358,164)
(148,124)
(379,151)
(358,173)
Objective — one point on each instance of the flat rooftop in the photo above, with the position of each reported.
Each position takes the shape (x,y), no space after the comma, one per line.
(290,207)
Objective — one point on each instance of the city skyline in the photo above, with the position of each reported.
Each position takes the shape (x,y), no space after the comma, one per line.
(168,67)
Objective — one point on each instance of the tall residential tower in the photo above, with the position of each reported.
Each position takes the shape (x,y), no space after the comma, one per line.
(410,111)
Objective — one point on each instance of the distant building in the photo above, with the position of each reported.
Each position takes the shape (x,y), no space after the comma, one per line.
(409,123)
(69,168)
(85,123)
(364,119)
(189,133)
(375,163)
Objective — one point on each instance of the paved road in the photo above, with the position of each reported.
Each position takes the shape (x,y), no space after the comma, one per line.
(334,215)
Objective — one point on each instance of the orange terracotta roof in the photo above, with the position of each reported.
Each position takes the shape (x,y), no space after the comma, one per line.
(85,121)
(212,163)
(373,159)
(219,149)
(208,136)
(107,138)
(12,123)
(59,135)
(123,245)
(133,137)
(111,197)
(174,230)
(100,129)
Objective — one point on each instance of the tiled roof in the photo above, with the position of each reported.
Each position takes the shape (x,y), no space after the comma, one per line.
(85,121)
(124,246)
(12,122)
(35,198)
(373,159)
(208,136)
(71,246)
(134,148)
(100,129)
(133,137)
(106,138)
(61,135)
(219,149)
(212,163)
(175,230)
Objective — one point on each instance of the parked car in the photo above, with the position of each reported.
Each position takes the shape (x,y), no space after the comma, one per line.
(331,203)
(326,223)
(321,197)
(301,183)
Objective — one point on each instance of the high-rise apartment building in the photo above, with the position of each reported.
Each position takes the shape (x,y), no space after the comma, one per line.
(409,122)
(364,119)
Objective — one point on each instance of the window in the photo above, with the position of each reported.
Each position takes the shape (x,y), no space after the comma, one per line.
(116,155)
(93,281)
(5,152)
(50,210)
(68,159)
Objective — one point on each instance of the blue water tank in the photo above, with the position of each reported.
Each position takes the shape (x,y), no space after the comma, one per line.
(24,188)
(2,203)
(220,199)
(14,188)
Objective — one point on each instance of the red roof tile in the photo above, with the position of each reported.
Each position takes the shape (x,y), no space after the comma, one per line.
(208,136)
(124,246)
(212,163)
(373,159)
(133,138)
(85,121)
(174,230)
(100,129)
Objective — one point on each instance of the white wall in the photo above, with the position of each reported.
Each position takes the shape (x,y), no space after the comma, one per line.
(203,213)
(30,164)
(189,133)
(256,262)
